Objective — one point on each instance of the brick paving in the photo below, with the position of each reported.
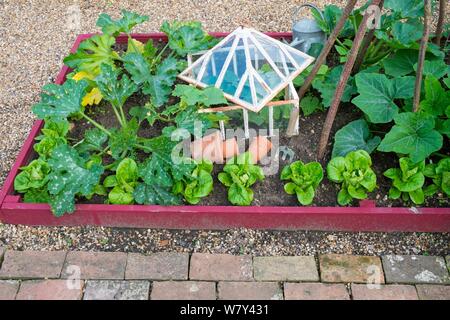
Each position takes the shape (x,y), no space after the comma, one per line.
(36,275)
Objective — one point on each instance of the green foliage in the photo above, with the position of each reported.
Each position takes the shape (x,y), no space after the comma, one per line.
(440,173)
(436,103)
(401,63)
(355,175)
(70,176)
(138,67)
(123,182)
(187,115)
(414,135)
(407,181)
(405,8)
(310,104)
(58,102)
(92,53)
(354,136)
(332,14)
(157,184)
(53,134)
(93,141)
(304,180)
(323,71)
(436,68)
(193,96)
(198,185)
(32,181)
(377,95)
(124,25)
(123,140)
(159,85)
(239,174)
(327,86)
(407,32)
(116,91)
(187,37)
(75,171)
(161,171)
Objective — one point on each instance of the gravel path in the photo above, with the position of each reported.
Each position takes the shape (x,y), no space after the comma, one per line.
(34,38)
(236,241)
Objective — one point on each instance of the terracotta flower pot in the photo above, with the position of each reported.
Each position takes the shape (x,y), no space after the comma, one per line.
(259,148)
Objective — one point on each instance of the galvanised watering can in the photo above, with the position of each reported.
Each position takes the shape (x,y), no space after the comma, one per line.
(306,31)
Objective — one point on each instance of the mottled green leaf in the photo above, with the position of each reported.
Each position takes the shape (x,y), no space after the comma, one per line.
(116,91)
(122,140)
(69,177)
(92,53)
(58,102)
(187,37)
(154,194)
(137,66)
(123,25)
(94,140)
(159,85)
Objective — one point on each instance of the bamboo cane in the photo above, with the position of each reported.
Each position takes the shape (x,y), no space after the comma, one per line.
(341,84)
(440,23)
(422,52)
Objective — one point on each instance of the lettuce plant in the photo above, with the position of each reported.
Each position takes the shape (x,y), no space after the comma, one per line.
(198,185)
(440,173)
(53,134)
(407,181)
(239,174)
(32,181)
(123,182)
(355,175)
(304,180)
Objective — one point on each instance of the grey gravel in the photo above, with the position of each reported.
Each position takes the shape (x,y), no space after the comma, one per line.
(234,241)
(35,35)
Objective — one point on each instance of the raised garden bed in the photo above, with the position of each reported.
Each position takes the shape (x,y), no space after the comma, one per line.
(270,212)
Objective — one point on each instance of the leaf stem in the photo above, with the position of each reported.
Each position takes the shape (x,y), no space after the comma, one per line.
(124,119)
(162,51)
(95,123)
(155,60)
(119,118)
(144,148)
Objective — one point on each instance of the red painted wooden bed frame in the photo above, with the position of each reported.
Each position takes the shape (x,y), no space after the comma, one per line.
(366,217)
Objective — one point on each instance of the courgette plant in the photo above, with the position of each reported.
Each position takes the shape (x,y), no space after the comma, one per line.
(68,169)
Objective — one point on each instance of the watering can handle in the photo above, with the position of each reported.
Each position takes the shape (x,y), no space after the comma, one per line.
(296,12)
